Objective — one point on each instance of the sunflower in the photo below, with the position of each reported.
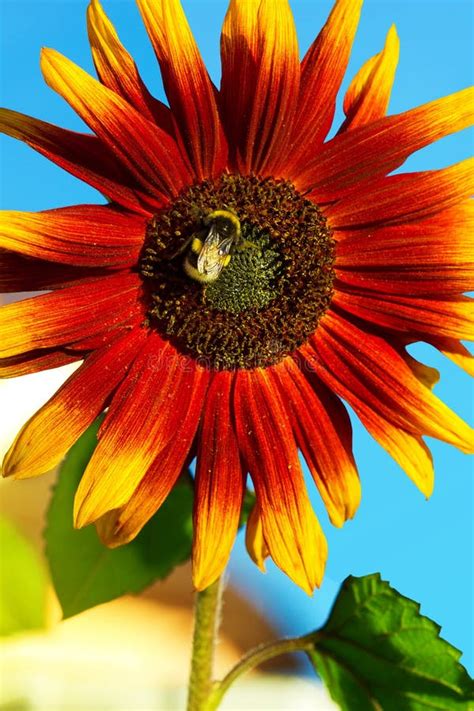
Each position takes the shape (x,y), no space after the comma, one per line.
(328,266)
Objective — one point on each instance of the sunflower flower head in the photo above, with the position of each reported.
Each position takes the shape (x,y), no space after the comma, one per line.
(245,277)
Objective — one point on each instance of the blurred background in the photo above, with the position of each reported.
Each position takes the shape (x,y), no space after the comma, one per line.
(132,654)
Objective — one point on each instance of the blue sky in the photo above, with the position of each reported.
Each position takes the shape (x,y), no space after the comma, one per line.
(425,549)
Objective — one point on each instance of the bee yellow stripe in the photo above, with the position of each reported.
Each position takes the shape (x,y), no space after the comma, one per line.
(196,245)
(227,214)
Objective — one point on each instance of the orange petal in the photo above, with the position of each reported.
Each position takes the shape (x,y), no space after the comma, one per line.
(117,70)
(122,525)
(219,485)
(290,528)
(441,283)
(452,226)
(401,198)
(47,436)
(260,83)
(322,71)
(433,257)
(56,319)
(19,273)
(415,317)
(190,92)
(426,374)
(368,95)
(46,358)
(364,369)
(159,169)
(82,155)
(83,235)
(324,435)
(254,540)
(141,421)
(406,448)
(34,362)
(355,157)
(456,352)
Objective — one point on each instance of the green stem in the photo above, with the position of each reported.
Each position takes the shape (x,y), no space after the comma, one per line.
(206,621)
(254,658)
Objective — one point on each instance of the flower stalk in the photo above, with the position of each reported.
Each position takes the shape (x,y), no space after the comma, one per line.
(206,623)
(205,694)
(256,656)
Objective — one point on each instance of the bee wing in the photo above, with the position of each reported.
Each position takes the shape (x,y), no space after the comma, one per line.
(214,250)
(225,246)
(212,238)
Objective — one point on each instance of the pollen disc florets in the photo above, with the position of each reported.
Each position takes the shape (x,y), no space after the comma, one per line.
(270,295)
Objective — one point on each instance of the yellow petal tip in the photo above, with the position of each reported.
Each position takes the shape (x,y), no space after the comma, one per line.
(201,584)
(392,32)
(81,517)
(12,466)
(206,568)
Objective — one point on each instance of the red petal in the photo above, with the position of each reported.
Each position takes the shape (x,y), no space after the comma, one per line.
(254,540)
(455,351)
(65,316)
(322,71)
(34,362)
(82,155)
(426,374)
(290,528)
(142,420)
(190,92)
(368,95)
(147,151)
(121,526)
(260,83)
(436,283)
(364,369)
(432,257)
(83,235)
(219,485)
(408,450)
(323,433)
(43,359)
(139,424)
(413,316)
(401,198)
(21,274)
(117,70)
(46,437)
(355,157)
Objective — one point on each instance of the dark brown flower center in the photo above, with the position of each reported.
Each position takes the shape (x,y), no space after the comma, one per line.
(270,291)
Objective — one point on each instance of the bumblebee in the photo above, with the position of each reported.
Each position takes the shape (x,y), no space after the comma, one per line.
(211,249)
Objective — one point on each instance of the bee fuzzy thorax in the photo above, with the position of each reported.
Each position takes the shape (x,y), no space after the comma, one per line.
(211,251)
(225,219)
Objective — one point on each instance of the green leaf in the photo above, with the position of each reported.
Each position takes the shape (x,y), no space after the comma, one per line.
(86,573)
(24,584)
(377,652)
